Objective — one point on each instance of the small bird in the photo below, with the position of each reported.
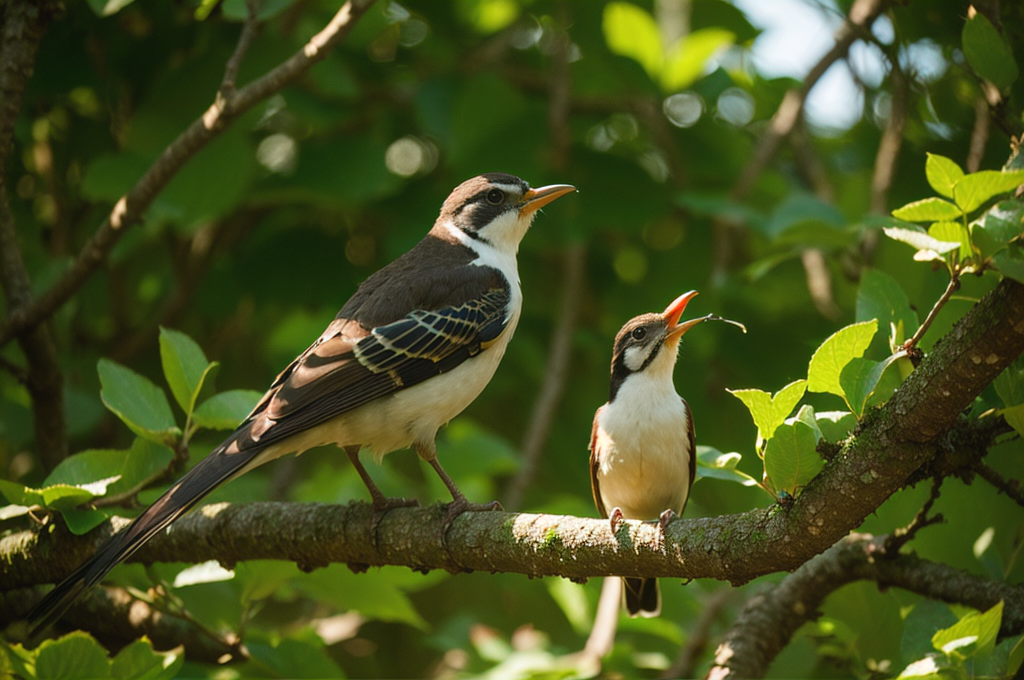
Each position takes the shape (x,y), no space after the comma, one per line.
(414,346)
(642,447)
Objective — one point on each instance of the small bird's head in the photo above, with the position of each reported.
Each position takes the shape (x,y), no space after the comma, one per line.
(497,208)
(648,343)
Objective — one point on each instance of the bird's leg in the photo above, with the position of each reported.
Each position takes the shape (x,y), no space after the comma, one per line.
(666,518)
(615,519)
(460,503)
(381,503)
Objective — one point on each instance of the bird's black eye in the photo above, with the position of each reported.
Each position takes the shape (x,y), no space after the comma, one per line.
(495,196)
(639,333)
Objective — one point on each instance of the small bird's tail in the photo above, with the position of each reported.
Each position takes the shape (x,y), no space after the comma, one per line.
(207,475)
(643,597)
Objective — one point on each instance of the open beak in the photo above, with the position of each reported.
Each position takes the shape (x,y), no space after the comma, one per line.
(674,311)
(535,199)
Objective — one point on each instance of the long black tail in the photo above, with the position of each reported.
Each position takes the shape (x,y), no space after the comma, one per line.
(643,596)
(207,475)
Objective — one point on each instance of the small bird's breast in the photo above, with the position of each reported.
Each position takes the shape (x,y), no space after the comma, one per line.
(643,454)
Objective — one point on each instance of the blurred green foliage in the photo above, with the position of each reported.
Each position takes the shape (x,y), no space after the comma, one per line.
(262,236)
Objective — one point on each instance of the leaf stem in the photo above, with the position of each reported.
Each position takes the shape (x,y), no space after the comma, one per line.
(954,284)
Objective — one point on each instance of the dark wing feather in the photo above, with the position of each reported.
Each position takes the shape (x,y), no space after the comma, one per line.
(595,464)
(350,366)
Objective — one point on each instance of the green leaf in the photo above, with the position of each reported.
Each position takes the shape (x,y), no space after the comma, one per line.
(80,522)
(770,411)
(1014,416)
(920,240)
(686,60)
(975,634)
(835,426)
(632,32)
(1015,658)
(835,353)
(953,231)
(1009,265)
(931,667)
(1010,383)
(130,466)
(880,297)
(295,658)
(860,378)
(226,410)
(920,625)
(55,497)
(976,189)
(185,367)
(790,458)
(713,463)
(139,661)
(76,656)
(987,52)
(139,403)
(942,174)
(927,210)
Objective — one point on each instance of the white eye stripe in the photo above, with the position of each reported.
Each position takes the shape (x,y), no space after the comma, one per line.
(507,188)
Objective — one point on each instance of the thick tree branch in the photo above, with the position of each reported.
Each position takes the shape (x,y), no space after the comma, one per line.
(914,429)
(229,105)
(769,620)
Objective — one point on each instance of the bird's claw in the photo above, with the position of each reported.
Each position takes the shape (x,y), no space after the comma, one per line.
(382,506)
(665,518)
(615,519)
(460,505)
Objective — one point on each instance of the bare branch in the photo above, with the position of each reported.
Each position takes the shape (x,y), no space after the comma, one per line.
(903,535)
(1011,487)
(954,284)
(130,208)
(249,28)
(769,620)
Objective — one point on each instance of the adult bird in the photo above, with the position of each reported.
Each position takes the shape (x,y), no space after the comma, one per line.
(417,342)
(642,450)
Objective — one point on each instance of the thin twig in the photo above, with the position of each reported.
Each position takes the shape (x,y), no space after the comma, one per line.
(130,208)
(1010,487)
(903,535)
(954,284)
(249,28)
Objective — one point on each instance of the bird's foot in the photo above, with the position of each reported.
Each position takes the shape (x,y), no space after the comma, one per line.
(615,519)
(382,505)
(459,505)
(666,518)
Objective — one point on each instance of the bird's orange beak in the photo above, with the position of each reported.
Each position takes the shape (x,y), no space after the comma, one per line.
(674,311)
(534,199)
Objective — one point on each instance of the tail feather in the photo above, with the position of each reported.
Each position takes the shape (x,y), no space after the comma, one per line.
(643,596)
(207,475)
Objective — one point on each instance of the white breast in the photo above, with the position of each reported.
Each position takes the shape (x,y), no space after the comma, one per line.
(643,449)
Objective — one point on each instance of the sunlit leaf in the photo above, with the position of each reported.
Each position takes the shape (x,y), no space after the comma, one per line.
(953,231)
(135,400)
(927,210)
(930,667)
(835,353)
(987,51)
(859,378)
(978,629)
(942,174)
(769,411)
(632,32)
(835,426)
(920,240)
(1014,416)
(976,189)
(130,466)
(687,59)
(791,459)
